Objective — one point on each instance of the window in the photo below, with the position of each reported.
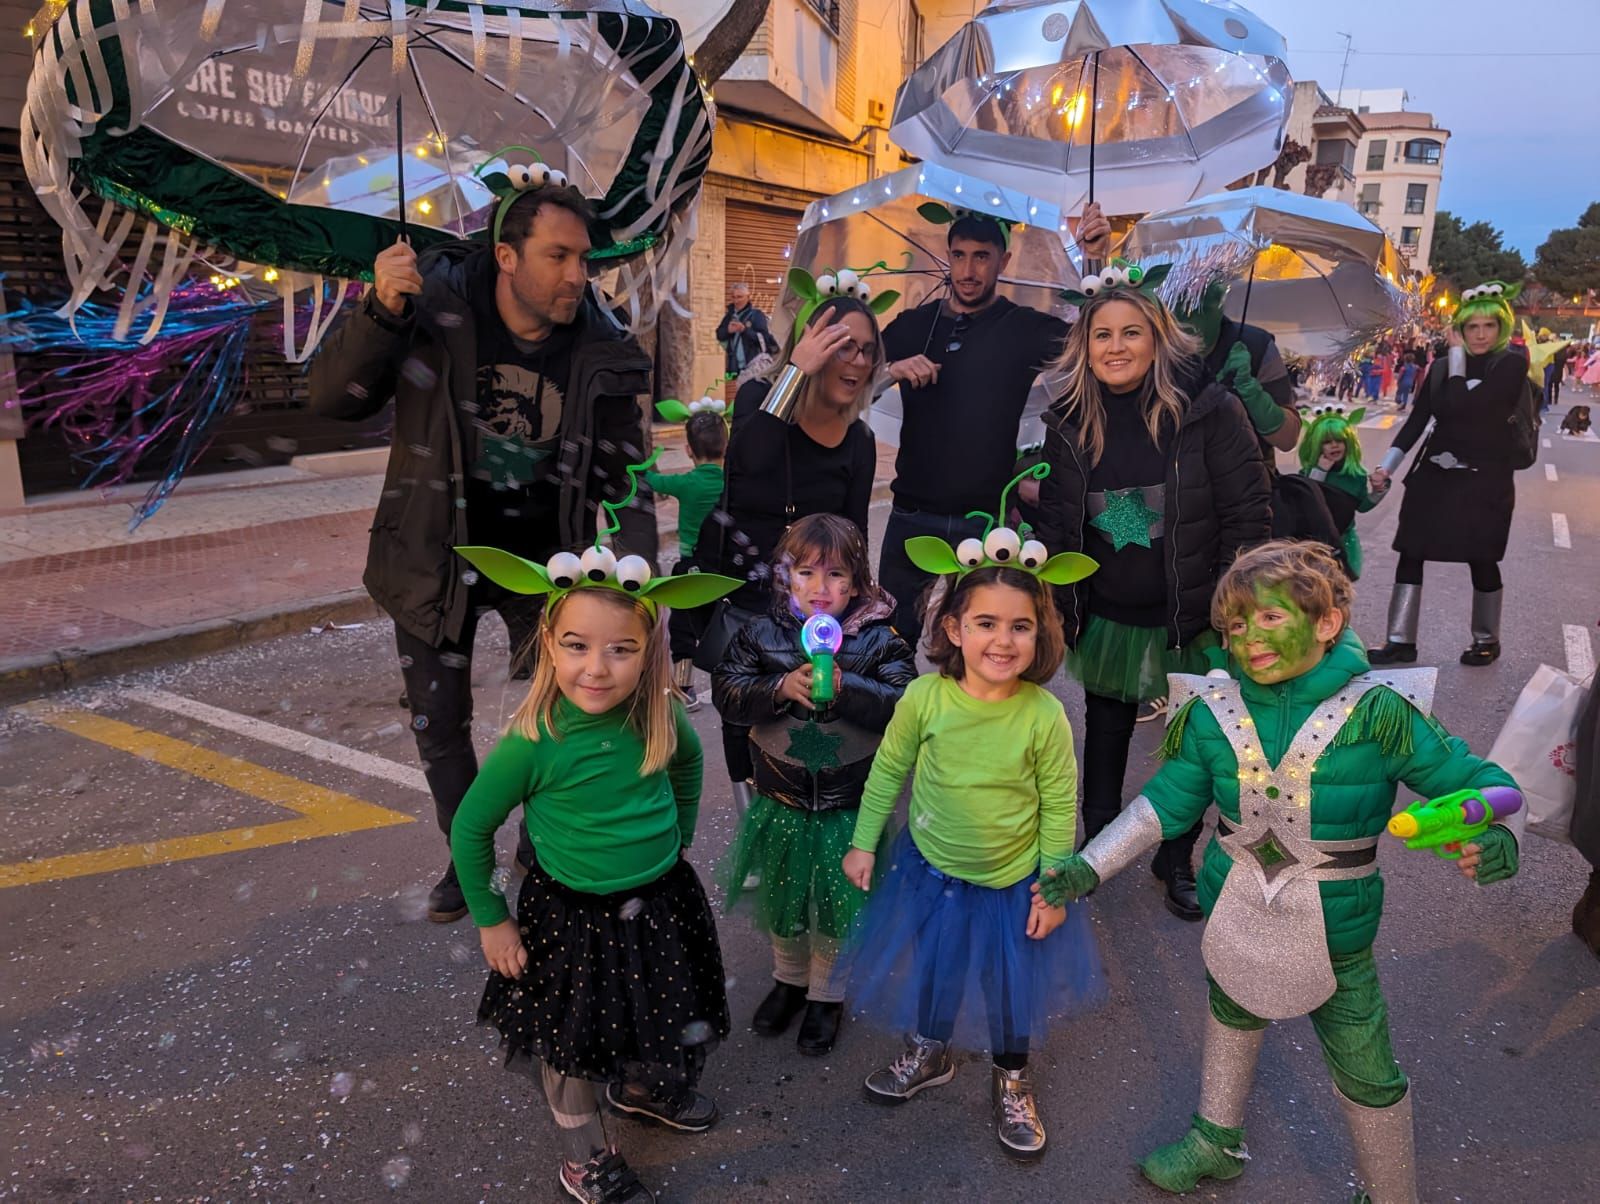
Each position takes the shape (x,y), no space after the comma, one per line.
(1369,199)
(1416,198)
(916,31)
(1337,152)
(828,10)
(1423,150)
(1376,150)
(1410,236)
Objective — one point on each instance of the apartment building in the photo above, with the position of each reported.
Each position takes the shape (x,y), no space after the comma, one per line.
(1398,170)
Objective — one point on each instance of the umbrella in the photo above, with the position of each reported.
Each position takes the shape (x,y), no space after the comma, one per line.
(1137,104)
(890,220)
(306,134)
(1317,275)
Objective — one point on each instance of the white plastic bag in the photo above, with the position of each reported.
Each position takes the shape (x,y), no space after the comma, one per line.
(1537,746)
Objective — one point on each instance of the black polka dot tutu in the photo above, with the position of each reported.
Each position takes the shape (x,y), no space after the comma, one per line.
(619,986)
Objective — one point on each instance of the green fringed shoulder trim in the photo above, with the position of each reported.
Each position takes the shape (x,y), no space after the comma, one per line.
(1172,742)
(1383,717)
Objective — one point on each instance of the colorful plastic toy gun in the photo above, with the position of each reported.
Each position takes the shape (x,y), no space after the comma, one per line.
(820,639)
(1453,819)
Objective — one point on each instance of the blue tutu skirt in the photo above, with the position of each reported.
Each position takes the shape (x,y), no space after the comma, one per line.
(952,960)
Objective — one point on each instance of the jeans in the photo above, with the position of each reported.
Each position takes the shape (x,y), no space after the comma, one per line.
(1107,731)
(439,692)
(1402,396)
(904,581)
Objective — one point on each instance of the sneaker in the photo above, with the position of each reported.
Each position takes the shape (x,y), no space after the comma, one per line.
(777,1011)
(924,1063)
(1153,709)
(604,1179)
(1016,1115)
(820,1028)
(446,903)
(687,1110)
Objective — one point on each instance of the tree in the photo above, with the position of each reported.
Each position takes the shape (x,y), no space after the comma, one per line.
(1463,255)
(728,38)
(1569,260)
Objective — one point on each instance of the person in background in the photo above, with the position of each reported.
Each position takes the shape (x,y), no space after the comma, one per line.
(743,331)
(1407,381)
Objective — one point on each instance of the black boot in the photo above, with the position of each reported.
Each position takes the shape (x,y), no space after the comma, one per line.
(446,903)
(778,1010)
(820,1028)
(1183,900)
(1400,646)
(1485,628)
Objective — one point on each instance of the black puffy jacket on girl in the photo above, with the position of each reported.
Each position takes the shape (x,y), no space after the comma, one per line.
(825,768)
(1217,502)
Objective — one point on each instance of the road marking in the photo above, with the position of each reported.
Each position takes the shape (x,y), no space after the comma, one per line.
(1550,472)
(296,742)
(1560,531)
(1580,653)
(322,812)
(1546,442)
(1381,423)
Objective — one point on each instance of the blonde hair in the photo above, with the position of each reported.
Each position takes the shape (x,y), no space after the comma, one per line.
(650,710)
(1163,400)
(810,398)
(1305,570)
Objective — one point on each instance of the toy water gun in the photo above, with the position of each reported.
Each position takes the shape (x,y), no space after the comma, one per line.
(820,639)
(1455,818)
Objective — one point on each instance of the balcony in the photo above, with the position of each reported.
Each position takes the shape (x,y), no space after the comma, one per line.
(790,72)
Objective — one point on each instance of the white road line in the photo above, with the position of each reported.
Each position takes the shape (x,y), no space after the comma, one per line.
(1546,442)
(1550,472)
(1580,653)
(1560,533)
(296,742)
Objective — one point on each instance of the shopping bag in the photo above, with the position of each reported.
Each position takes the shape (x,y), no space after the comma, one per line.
(1538,747)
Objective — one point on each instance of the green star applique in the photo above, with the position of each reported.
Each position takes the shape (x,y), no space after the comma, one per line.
(812,747)
(1126,519)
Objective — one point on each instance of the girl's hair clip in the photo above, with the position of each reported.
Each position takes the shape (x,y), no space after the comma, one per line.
(598,567)
(516,179)
(1121,274)
(813,291)
(1000,547)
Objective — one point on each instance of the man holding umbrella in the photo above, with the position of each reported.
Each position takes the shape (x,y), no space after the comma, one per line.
(965,365)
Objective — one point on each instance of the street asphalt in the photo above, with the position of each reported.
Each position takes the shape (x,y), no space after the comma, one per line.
(201,1005)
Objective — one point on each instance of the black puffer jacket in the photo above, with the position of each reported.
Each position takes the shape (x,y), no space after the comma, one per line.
(875,667)
(1217,502)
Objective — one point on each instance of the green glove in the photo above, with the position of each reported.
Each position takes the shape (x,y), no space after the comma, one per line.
(1070,879)
(1497,854)
(1266,415)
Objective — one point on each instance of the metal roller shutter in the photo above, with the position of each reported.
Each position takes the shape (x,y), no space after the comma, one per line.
(759,240)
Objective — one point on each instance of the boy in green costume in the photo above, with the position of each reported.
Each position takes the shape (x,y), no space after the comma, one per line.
(1301,750)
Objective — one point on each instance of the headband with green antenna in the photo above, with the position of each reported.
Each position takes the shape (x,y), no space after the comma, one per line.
(846,282)
(1121,274)
(599,568)
(674,410)
(943,215)
(1491,299)
(1001,547)
(518,178)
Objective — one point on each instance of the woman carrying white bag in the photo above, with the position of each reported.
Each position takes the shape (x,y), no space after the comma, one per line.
(1549,744)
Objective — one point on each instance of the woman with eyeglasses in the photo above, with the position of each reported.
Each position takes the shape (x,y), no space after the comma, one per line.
(798,447)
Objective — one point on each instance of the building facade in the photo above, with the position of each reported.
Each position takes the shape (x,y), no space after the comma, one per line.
(1399,168)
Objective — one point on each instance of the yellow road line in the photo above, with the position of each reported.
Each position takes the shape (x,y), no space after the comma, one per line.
(322,812)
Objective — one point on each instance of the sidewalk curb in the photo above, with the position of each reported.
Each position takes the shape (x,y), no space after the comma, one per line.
(27,676)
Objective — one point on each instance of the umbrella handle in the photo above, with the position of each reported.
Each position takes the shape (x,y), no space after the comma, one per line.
(1094,86)
(400,159)
(1244,310)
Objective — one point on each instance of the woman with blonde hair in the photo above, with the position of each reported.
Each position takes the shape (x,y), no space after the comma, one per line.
(798,447)
(1156,473)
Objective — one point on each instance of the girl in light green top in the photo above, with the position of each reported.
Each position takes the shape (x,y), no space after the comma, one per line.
(994,794)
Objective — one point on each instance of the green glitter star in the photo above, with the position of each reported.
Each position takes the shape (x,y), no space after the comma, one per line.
(813,747)
(1126,519)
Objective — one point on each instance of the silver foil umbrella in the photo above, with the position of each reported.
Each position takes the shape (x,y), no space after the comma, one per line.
(1137,104)
(1315,273)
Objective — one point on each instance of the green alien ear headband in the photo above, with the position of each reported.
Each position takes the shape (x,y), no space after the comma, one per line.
(1490,299)
(1000,547)
(846,282)
(1121,274)
(599,568)
(1325,422)
(674,410)
(943,215)
(518,178)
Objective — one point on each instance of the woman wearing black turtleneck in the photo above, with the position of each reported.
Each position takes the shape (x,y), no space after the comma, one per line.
(1460,492)
(1159,478)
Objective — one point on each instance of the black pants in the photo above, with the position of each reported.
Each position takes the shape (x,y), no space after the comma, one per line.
(1107,731)
(685,627)
(1485,573)
(904,581)
(439,692)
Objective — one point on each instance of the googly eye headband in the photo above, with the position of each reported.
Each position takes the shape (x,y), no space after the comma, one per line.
(1000,547)
(846,282)
(1333,410)
(1490,299)
(1120,274)
(1325,422)
(599,567)
(944,215)
(674,410)
(517,179)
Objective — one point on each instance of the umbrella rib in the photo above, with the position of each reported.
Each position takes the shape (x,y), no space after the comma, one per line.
(444,143)
(1188,133)
(931,255)
(311,126)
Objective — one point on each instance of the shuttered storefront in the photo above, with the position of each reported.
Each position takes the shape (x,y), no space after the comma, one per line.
(759,240)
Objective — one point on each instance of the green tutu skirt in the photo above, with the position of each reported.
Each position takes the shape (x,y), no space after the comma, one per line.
(1114,660)
(799,858)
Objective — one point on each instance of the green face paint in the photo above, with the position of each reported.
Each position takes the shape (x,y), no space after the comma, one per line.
(1276,640)
(1206,318)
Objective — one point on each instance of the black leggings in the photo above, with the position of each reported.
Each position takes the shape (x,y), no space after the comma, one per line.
(1485,573)
(1107,731)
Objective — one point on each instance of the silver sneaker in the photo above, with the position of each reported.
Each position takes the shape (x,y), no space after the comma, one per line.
(1016,1115)
(924,1063)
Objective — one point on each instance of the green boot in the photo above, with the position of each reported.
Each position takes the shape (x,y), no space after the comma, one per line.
(1207,1151)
